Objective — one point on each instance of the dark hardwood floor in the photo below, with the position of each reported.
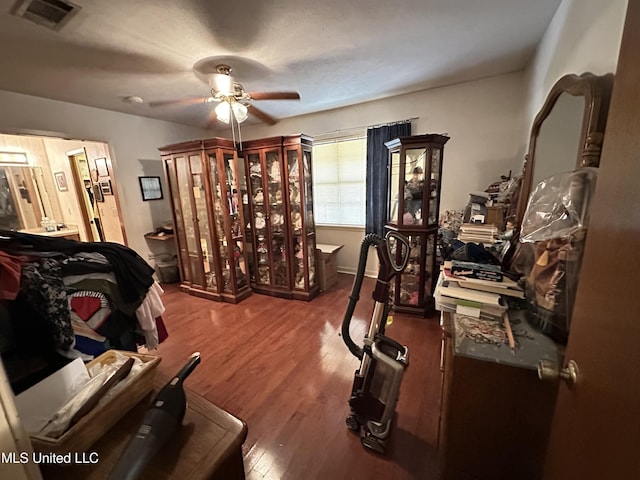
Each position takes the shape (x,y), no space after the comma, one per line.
(282,367)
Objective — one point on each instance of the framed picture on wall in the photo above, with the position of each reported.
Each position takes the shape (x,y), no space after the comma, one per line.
(105,186)
(101,166)
(151,188)
(97,192)
(61,181)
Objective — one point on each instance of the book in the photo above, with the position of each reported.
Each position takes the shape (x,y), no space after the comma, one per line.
(476,270)
(505,287)
(447,301)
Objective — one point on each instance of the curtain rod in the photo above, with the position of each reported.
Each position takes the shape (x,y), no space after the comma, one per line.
(362,127)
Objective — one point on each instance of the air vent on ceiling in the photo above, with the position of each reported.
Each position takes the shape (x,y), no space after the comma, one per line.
(52,14)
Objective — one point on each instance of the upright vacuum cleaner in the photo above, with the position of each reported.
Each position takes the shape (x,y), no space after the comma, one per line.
(376,383)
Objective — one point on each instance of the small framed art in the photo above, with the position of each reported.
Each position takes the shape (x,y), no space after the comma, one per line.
(101,166)
(151,188)
(61,181)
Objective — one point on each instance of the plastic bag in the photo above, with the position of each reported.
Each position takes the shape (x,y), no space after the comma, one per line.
(555,225)
(559,206)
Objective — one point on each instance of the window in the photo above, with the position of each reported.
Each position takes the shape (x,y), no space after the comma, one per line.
(339,171)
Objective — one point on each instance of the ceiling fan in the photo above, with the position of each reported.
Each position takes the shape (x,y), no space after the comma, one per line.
(234,103)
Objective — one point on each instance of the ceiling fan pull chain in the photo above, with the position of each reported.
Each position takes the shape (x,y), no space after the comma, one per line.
(240,135)
(233,131)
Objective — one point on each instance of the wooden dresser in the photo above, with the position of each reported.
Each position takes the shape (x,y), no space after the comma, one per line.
(495,416)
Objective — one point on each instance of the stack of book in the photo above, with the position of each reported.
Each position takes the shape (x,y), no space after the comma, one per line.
(478,233)
(475,290)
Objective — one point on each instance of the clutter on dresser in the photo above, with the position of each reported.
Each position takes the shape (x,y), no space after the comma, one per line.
(476,209)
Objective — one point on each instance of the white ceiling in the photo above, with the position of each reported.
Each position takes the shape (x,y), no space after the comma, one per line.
(333,52)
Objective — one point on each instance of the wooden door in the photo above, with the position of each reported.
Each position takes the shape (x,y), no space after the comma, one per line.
(596,427)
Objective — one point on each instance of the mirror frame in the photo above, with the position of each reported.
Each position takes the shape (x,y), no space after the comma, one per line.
(596,91)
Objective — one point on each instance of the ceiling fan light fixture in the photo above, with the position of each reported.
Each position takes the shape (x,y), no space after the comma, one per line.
(240,111)
(222,84)
(223,112)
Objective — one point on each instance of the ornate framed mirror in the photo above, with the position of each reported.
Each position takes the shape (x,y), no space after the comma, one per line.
(568,131)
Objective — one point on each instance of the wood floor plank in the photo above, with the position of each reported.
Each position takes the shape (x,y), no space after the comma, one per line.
(282,366)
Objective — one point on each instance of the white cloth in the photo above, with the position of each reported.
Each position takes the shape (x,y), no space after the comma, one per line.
(151,308)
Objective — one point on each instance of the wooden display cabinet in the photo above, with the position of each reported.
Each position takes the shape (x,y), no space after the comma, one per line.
(280,225)
(203,178)
(415,175)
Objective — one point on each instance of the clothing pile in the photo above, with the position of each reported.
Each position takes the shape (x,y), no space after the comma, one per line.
(88,297)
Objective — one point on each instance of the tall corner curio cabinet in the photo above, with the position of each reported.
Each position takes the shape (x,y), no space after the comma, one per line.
(279,210)
(413,202)
(204,179)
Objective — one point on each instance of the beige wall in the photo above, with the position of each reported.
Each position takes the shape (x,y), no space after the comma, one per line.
(583,36)
(484,119)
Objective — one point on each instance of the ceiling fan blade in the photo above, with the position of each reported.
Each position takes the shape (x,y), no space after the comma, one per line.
(265,117)
(180,101)
(274,95)
(211,119)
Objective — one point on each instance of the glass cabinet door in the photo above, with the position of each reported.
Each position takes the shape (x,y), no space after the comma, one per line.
(189,217)
(434,186)
(245,219)
(415,166)
(395,202)
(227,204)
(179,222)
(410,279)
(201,219)
(256,198)
(309,221)
(276,224)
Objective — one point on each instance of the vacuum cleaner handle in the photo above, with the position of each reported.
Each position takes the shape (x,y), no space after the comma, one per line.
(393,258)
(391,262)
(399,260)
(369,240)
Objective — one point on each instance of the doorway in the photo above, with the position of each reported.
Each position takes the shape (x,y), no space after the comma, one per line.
(96,197)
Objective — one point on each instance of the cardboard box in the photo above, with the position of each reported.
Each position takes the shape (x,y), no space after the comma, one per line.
(327,262)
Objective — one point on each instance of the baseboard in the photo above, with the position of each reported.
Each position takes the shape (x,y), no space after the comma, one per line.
(352,271)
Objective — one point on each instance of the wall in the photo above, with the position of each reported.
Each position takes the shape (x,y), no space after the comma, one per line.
(132,141)
(484,119)
(583,36)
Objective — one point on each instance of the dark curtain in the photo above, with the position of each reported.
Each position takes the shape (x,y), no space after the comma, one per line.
(377,173)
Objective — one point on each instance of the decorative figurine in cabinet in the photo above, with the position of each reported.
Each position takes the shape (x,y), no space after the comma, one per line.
(279,203)
(415,171)
(204,179)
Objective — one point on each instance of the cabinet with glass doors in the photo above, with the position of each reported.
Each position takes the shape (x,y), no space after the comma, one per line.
(205,181)
(415,176)
(279,204)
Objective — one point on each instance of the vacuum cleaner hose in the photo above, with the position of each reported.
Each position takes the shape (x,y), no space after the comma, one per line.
(369,240)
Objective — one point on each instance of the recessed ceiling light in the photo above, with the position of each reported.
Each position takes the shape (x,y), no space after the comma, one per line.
(133,99)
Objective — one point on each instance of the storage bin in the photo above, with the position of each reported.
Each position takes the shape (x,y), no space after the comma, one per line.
(167,268)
